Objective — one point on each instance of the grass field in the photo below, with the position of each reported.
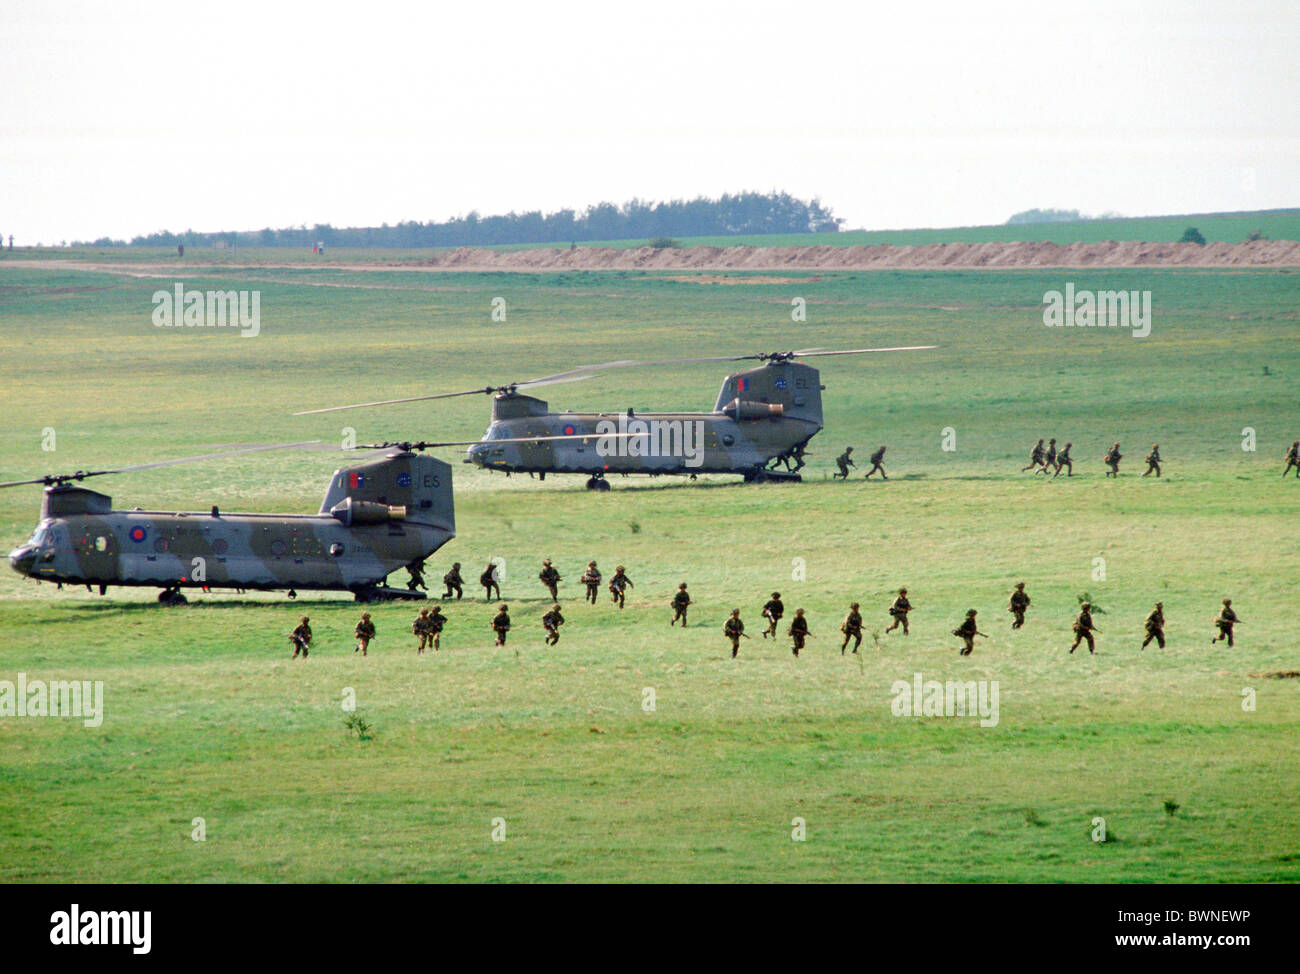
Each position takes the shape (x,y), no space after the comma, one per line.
(207,717)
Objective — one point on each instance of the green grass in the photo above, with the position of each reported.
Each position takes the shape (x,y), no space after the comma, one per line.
(207,716)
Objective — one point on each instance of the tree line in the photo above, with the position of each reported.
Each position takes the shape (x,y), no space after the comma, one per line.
(728,215)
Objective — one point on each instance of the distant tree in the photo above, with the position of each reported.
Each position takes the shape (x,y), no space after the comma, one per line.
(1192,235)
(1256,235)
(663,243)
(1044,216)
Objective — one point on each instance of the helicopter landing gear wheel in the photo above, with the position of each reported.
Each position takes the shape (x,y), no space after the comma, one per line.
(172,596)
(293,594)
(597,483)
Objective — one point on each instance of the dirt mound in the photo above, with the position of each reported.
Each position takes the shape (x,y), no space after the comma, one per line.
(1255,253)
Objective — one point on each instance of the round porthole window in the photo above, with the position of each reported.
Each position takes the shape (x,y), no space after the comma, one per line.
(160,545)
(101,543)
(728,439)
(219,546)
(278,548)
(336,550)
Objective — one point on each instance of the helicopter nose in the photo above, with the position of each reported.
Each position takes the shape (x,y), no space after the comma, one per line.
(475,454)
(22,559)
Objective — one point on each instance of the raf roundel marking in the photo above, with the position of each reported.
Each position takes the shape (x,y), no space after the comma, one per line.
(137,534)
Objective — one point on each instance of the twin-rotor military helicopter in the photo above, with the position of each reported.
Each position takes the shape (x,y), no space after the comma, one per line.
(764,417)
(385,514)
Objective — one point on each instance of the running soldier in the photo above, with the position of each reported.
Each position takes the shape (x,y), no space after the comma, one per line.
(799,630)
(619,584)
(489,582)
(875,464)
(1153,460)
(681,599)
(436,621)
(550,578)
(1225,620)
(453,582)
(968,630)
(1049,457)
(1112,459)
(899,610)
(591,579)
(773,610)
(551,622)
(1155,626)
(364,632)
(1063,460)
(1292,459)
(1035,458)
(734,629)
(416,581)
(844,461)
(1018,604)
(301,638)
(852,628)
(420,628)
(1083,628)
(501,624)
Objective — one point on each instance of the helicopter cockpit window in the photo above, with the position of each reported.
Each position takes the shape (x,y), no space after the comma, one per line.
(39,537)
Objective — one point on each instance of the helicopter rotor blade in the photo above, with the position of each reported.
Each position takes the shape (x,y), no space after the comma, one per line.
(809,352)
(51,479)
(588,371)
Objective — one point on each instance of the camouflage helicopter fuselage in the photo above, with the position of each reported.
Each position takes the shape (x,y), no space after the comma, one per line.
(376,518)
(761,415)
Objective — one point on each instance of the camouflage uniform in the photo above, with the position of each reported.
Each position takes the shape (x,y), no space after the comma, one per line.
(1018,604)
(1153,460)
(968,630)
(1083,628)
(844,461)
(899,610)
(619,584)
(773,610)
(1063,460)
(550,578)
(876,457)
(416,568)
(852,628)
(435,623)
(489,582)
(1035,458)
(681,599)
(364,632)
(501,624)
(551,622)
(1112,459)
(420,628)
(453,582)
(591,579)
(1049,457)
(301,638)
(734,629)
(799,630)
(1155,626)
(1225,621)
(1292,459)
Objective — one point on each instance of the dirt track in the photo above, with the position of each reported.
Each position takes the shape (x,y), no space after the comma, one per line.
(1259,253)
(1254,254)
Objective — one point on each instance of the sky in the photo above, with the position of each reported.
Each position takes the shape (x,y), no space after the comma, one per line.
(125,118)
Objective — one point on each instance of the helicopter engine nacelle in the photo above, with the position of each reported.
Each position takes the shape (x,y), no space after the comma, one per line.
(351,511)
(747,409)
